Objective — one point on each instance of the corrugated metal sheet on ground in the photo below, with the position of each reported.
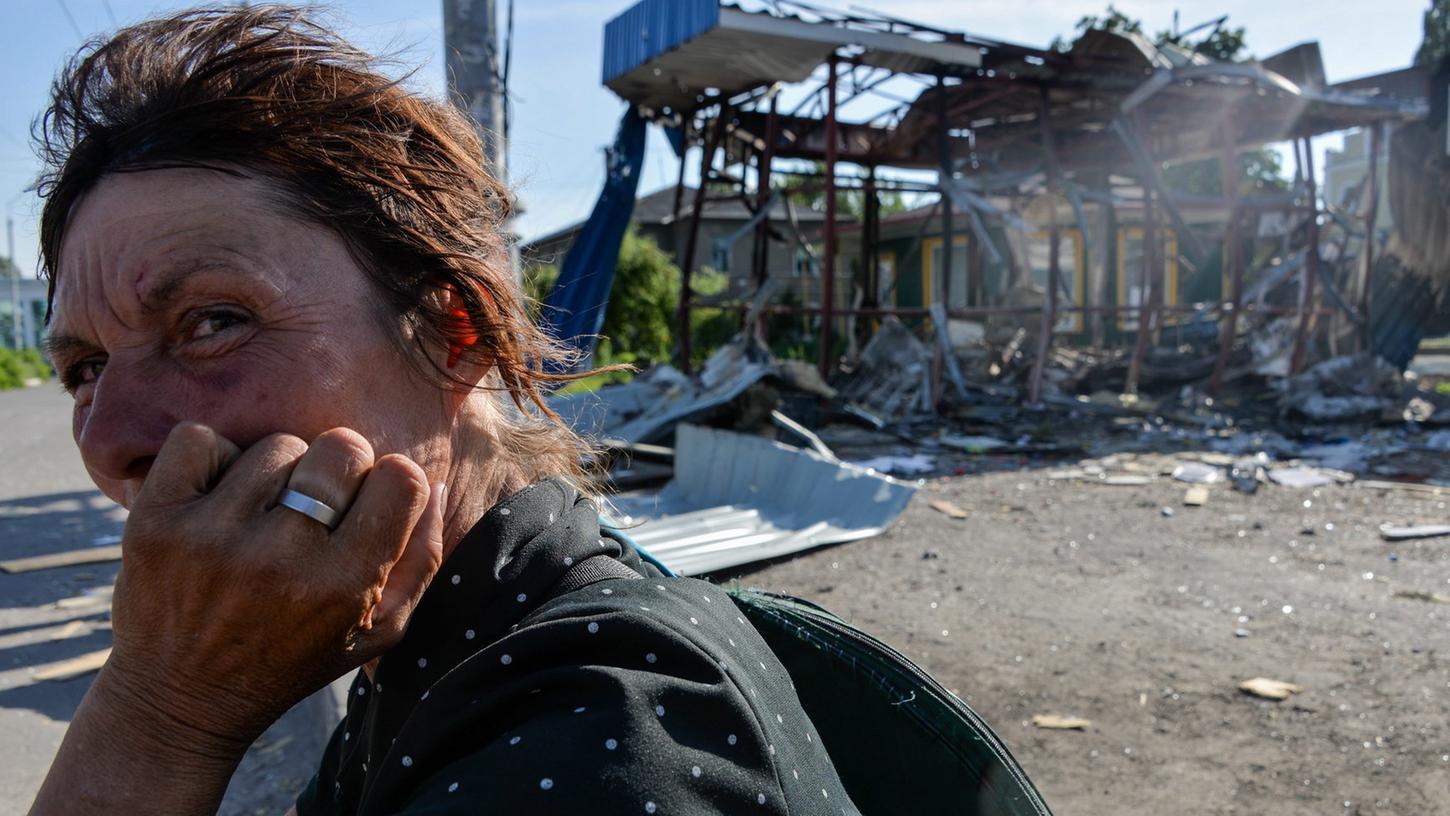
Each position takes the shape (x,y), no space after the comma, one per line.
(739,499)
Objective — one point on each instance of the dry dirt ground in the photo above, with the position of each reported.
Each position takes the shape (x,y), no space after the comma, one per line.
(1058,597)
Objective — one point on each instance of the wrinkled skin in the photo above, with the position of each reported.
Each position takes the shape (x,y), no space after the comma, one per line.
(220,350)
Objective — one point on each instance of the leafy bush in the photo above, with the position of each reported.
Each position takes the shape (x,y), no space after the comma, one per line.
(639,325)
(12,372)
(35,364)
(18,367)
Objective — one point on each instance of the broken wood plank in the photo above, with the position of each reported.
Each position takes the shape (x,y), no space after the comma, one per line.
(1389,533)
(75,667)
(1413,487)
(947,508)
(1421,595)
(69,558)
(1269,689)
(1059,723)
(1122,480)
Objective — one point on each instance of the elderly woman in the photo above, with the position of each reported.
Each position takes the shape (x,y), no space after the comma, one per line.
(298,358)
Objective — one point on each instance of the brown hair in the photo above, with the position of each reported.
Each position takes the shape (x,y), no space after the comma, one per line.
(400,177)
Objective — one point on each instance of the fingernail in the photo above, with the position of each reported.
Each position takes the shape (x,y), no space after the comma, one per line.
(442,490)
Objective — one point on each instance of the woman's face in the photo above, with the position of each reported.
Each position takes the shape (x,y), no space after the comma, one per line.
(187,294)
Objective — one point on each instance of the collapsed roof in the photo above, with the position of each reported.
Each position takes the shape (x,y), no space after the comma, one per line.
(1109,90)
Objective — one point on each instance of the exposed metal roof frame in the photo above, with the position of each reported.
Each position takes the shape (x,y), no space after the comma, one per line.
(730,49)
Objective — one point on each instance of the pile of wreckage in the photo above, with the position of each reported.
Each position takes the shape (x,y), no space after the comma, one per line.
(761,458)
(1283,363)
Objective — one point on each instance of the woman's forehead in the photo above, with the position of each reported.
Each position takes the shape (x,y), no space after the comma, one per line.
(137,237)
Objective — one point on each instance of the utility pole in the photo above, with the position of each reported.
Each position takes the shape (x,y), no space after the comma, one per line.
(15,317)
(470,40)
(476,74)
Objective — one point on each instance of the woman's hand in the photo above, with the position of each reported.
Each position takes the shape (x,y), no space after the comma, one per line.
(229,608)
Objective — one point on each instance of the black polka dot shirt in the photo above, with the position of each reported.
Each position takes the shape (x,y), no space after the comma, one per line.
(647,695)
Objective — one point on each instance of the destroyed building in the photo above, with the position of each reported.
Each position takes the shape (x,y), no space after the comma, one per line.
(1045,292)
(1011,151)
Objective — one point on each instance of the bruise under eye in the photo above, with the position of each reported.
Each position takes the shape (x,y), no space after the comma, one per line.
(82,372)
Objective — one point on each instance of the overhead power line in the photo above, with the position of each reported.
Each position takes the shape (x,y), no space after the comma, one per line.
(70,18)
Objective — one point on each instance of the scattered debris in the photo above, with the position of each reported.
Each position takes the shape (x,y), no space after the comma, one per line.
(1122,480)
(1350,388)
(947,508)
(70,558)
(1299,477)
(1196,496)
(1269,689)
(1059,723)
(647,408)
(916,463)
(1377,484)
(1198,473)
(894,377)
(973,444)
(1389,533)
(1420,595)
(74,667)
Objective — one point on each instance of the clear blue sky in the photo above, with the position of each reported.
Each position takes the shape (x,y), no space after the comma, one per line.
(562,116)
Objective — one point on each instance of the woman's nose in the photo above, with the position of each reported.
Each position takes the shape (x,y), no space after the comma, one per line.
(122,428)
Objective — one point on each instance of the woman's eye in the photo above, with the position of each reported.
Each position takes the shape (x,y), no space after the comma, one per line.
(212,323)
(82,373)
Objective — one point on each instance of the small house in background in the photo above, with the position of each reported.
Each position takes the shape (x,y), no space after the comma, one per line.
(1100,261)
(725,243)
(28,295)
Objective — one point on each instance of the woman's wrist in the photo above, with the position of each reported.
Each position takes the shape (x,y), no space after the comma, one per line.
(134,747)
(181,719)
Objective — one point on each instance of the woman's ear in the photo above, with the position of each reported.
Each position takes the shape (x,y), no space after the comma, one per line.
(462,335)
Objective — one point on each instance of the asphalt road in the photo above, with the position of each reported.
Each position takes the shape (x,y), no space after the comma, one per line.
(47,505)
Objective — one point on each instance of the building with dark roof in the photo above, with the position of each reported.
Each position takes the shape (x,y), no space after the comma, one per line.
(721,219)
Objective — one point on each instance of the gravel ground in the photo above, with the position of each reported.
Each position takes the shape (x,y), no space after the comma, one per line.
(1072,598)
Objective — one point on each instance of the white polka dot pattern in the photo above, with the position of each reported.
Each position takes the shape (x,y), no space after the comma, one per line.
(720,734)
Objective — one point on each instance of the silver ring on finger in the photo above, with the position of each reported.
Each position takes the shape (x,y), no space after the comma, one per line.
(312,508)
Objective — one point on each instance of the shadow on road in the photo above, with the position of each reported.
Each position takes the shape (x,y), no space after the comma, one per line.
(55,699)
(46,524)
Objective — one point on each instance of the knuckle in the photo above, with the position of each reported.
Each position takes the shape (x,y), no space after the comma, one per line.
(189,434)
(284,444)
(346,444)
(407,473)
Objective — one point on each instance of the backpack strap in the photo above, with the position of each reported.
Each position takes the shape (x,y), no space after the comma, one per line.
(591,570)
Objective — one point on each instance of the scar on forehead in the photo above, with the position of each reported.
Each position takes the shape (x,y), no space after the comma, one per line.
(154,286)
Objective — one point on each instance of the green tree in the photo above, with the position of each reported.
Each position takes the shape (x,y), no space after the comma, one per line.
(1113,20)
(1436,43)
(1259,171)
(849,202)
(8,269)
(639,323)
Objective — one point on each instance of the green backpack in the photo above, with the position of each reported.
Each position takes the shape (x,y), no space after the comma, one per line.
(883,719)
